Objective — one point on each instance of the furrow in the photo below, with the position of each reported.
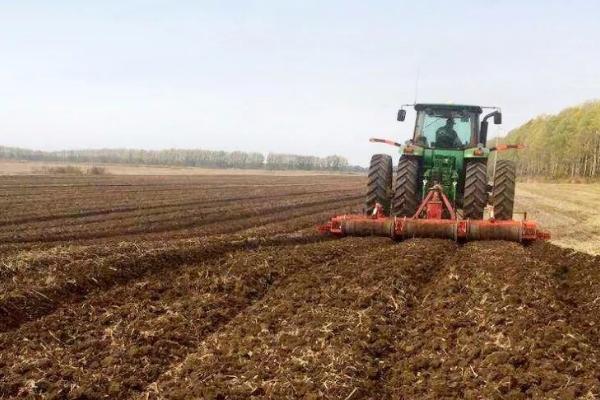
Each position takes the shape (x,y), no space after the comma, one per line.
(118,341)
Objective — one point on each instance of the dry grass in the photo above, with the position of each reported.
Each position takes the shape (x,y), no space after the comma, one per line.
(61,170)
(70,170)
(569,211)
(95,170)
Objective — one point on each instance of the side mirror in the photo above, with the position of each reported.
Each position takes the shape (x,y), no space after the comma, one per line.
(401,114)
(497,118)
(483,132)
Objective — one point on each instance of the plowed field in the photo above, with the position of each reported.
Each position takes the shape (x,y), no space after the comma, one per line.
(218,287)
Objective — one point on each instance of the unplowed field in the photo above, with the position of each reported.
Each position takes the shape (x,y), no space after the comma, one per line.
(218,287)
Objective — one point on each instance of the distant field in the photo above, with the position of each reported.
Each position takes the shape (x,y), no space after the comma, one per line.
(10,167)
(569,211)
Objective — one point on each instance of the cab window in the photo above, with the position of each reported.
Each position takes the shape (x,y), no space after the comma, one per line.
(445,128)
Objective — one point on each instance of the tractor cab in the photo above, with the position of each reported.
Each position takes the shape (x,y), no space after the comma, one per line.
(446,127)
(449,126)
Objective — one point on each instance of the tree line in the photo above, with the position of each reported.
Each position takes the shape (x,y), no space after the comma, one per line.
(566,145)
(187,158)
(293,161)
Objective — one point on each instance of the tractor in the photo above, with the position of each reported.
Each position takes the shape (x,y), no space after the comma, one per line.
(441,187)
(448,148)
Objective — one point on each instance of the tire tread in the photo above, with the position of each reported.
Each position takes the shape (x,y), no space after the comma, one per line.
(379,184)
(406,193)
(475,191)
(503,194)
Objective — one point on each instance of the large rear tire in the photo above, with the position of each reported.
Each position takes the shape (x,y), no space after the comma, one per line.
(503,195)
(406,193)
(379,186)
(475,190)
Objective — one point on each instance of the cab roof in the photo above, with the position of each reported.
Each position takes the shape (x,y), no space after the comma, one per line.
(423,106)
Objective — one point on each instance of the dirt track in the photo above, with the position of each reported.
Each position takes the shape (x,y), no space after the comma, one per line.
(219,288)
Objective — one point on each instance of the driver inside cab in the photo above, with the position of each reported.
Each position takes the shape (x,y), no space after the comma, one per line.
(446,136)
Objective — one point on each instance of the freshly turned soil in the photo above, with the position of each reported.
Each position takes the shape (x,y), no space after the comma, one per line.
(219,287)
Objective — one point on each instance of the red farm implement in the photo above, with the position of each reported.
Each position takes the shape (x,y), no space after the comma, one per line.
(435,218)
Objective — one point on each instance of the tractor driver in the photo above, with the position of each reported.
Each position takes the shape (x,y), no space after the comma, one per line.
(446,136)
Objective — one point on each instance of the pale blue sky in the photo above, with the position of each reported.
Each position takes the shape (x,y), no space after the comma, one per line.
(309,77)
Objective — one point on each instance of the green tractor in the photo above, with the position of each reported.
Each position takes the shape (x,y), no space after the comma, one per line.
(448,150)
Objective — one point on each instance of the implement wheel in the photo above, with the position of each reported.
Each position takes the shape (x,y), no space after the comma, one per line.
(503,195)
(406,194)
(379,186)
(475,191)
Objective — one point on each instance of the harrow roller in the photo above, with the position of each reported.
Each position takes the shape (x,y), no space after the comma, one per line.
(458,230)
(428,222)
